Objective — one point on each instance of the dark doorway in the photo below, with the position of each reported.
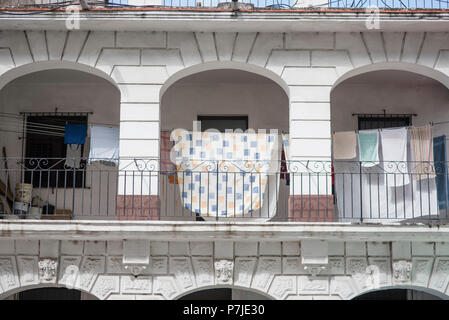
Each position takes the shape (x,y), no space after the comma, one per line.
(397,294)
(210,294)
(50,294)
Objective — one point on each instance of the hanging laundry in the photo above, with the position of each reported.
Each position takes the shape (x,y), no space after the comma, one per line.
(75,133)
(442,179)
(344,145)
(421,146)
(233,186)
(73,156)
(369,148)
(394,152)
(284,159)
(104,144)
(167,166)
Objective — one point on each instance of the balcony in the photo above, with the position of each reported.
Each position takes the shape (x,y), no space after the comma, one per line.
(294,191)
(53,5)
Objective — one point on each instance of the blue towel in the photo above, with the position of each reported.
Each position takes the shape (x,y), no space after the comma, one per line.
(442,179)
(75,133)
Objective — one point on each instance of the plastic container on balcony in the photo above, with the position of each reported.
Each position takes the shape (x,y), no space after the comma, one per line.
(21,209)
(23,192)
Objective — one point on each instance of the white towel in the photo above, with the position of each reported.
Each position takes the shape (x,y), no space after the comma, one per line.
(104,144)
(73,156)
(394,152)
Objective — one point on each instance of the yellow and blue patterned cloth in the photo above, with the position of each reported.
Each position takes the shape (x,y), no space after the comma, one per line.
(223,174)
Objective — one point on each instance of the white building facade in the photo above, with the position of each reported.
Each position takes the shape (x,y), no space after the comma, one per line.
(307,74)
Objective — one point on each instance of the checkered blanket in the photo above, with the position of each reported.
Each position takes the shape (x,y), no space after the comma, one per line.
(223,174)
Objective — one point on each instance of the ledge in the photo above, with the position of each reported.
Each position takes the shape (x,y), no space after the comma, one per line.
(215,20)
(210,231)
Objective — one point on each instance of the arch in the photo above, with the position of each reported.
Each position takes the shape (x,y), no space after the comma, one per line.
(33,67)
(433,292)
(19,289)
(208,66)
(185,293)
(400,66)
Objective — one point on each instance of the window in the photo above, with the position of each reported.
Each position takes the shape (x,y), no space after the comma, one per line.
(366,122)
(221,123)
(45,140)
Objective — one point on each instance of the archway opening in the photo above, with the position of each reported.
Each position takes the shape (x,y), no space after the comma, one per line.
(53,167)
(397,294)
(224,99)
(223,294)
(388,165)
(51,293)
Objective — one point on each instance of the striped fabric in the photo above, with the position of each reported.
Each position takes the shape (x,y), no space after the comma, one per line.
(421,146)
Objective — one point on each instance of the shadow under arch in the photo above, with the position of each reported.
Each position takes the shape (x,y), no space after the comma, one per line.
(17,72)
(216,65)
(6,294)
(398,66)
(203,288)
(433,292)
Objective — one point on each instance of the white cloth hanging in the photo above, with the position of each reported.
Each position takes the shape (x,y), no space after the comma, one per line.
(73,156)
(394,152)
(104,144)
(369,193)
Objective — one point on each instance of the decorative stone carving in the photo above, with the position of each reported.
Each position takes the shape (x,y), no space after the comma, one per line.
(135,269)
(421,270)
(90,268)
(105,285)
(69,270)
(312,285)
(379,273)
(8,273)
(266,269)
(114,264)
(402,271)
(136,285)
(342,286)
(204,270)
(440,272)
(182,269)
(282,286)
(224,270)
(47,270)
(314,269)
(28,273)
(357,268)
(243,271)
(336,266)
(159,265)
(292,265)
(165,286)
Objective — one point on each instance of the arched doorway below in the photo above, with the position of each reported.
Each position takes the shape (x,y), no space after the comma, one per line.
(397,294)
(51,293)
(223,294)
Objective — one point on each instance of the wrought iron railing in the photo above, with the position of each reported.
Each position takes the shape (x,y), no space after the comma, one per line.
(246,4)
(297,191)
(390,4)
(54,4)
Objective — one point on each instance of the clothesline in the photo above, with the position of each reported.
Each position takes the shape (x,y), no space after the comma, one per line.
(431,123)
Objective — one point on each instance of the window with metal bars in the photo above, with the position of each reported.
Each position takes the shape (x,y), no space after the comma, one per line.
(45,153)
(376,121)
